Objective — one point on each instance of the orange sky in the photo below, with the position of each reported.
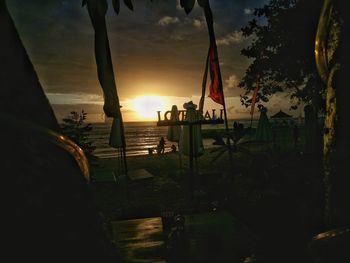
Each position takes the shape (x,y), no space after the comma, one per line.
(157,50)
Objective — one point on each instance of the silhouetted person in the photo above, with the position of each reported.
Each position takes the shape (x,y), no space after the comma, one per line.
(161,146)
(173,148)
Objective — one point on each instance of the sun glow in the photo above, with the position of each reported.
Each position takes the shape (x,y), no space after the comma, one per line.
(147,106)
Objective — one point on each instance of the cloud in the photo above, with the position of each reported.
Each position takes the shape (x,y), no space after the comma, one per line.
(230,86)
(94,111)
(74,98)
(198,23)
(231,109)
(231,38)
(248,11)
(177,36)
(172,20)
(168,20)
(231,82)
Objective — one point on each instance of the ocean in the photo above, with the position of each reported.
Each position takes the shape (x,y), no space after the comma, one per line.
(140,136)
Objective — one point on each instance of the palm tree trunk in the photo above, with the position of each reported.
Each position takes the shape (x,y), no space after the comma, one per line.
(334,66)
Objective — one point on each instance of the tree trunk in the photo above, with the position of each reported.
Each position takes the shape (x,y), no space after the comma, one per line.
(336,62)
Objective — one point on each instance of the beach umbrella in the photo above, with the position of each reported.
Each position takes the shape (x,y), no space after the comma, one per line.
(97,11)
(117,140)
(264,131)
(174,132)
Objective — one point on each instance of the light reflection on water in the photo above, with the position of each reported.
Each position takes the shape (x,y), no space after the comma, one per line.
(139,138)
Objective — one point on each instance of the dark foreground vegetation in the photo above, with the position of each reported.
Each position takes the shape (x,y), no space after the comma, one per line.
(273,193)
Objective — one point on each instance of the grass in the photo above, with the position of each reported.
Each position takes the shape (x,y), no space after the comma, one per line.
(171,174)
(264,186)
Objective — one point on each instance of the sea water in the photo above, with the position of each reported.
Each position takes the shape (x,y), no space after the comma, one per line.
(140,136)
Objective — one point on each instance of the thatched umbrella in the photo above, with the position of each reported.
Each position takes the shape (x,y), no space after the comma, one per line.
(264,131)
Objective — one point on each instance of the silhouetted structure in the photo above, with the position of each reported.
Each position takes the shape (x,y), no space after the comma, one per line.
(282,119)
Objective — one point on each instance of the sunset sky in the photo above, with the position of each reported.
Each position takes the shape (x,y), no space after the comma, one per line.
(157,50)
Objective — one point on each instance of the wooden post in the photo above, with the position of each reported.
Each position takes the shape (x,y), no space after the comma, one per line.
(191,163)
(191,178)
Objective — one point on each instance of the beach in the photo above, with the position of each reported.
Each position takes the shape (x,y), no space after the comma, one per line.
(250,186)
(171,170)
(231,185)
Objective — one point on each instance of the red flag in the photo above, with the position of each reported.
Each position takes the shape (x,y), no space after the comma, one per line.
(215,88)
(255,93)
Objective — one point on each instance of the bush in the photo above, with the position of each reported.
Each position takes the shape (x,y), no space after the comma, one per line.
(75,128)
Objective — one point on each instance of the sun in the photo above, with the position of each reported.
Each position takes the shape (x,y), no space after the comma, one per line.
(147,106)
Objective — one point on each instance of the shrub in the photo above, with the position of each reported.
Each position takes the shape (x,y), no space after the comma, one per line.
(75,128)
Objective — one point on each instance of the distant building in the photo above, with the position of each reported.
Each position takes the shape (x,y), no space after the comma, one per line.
(282,119)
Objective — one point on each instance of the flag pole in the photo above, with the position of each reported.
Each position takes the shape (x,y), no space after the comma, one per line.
(226,126)
(124,146)
(209,19)
(204,83)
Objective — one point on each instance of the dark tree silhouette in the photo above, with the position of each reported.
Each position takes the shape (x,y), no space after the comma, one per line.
(282,50)
(74,126)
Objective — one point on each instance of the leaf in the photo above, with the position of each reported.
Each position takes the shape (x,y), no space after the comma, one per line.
(187,5)
(128,3)
(116,6)
(84,3)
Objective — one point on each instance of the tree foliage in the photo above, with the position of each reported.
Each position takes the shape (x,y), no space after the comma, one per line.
(75,128)
(282,51)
